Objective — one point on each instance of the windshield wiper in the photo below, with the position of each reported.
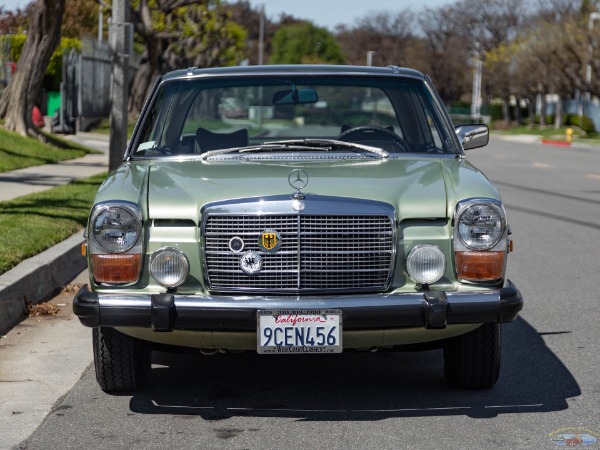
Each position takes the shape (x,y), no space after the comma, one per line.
(321,145)
(334,143)
(265,147)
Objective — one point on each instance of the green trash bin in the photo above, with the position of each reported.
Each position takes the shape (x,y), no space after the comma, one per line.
(53,102)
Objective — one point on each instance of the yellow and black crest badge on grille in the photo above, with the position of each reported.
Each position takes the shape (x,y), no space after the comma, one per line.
(270,241)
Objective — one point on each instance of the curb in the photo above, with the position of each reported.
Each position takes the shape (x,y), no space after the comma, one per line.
(38,278)
(556,142)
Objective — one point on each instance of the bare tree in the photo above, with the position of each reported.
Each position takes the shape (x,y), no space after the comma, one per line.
(390,35)
(43,36)
(547,59)
(445,56)
(12,21)
(555,11)
(491,25)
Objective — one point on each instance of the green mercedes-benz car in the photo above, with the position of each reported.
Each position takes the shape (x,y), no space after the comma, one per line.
(297,210)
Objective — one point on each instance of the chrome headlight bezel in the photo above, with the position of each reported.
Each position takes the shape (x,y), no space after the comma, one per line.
(133,227)
(181,260)
(498,228)
(438,263)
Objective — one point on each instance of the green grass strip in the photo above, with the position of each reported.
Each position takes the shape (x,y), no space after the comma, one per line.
(549,132)
(18,152)
(33,223)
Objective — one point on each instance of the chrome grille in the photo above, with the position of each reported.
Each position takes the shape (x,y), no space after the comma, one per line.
(318,252)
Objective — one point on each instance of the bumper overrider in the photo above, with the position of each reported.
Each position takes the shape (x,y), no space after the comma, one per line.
(167,312)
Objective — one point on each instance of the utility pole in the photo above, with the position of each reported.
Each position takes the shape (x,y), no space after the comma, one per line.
(370,57)
(476,96)
(100,24)
(119,87)
(261,35)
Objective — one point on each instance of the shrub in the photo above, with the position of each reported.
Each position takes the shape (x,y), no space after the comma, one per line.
(549,119)
(583,122)
(54,70)
(496,112)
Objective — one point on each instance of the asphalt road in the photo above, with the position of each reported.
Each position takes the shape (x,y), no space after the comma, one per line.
(549,382)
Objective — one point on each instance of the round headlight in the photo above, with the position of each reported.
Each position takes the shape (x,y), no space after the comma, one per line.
(426,264)
(169,267)
(116,229)
(480,226)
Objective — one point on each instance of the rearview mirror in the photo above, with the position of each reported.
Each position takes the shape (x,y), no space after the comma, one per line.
(295,97)
(473,136)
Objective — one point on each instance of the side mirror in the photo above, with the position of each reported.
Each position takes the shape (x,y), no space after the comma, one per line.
(473,136)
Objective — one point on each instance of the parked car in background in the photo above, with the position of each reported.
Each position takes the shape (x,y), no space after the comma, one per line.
(298,210)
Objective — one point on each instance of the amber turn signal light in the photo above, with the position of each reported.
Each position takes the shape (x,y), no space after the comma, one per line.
(116,268)
(479,266)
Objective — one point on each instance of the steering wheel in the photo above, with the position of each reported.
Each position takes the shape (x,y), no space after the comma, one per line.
(372,133)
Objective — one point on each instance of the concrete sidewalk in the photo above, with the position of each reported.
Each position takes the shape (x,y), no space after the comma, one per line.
(41,359)
(37,278)
(40,178)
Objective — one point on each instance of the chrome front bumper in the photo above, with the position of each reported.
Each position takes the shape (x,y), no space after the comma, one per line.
(167,312)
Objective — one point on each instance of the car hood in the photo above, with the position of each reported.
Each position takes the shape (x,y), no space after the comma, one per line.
(179,189)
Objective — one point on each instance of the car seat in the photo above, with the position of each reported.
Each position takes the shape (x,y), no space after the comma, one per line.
(208,140)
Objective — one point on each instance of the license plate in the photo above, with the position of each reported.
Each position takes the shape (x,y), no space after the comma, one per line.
(299,331)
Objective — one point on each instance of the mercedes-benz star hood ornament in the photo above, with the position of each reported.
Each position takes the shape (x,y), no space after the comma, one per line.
(298,179)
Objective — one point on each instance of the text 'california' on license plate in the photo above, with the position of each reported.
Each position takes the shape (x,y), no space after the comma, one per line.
(300,331)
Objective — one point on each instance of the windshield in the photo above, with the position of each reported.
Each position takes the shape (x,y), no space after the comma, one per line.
(193,117)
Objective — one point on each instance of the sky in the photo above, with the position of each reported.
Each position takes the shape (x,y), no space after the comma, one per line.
(329,13)
(324,13)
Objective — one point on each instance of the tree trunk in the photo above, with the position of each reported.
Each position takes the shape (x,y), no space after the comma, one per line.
(13,105)
(149,69)
(531,104)
(140,88)
(506,112)
(543,111)
(558,116)
(43,36)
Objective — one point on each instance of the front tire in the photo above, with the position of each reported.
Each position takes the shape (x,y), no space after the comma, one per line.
(120,360)
(472,361)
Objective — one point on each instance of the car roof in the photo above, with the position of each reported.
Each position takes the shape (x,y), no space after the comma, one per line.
(290,70)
